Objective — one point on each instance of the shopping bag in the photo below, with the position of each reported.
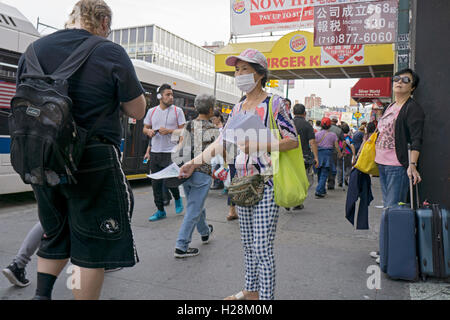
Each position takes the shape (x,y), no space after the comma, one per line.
(289,175)
(366,160)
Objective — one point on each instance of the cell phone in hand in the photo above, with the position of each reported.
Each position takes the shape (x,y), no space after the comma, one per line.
(145,161)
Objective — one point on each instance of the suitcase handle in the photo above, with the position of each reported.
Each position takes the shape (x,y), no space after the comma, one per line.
(411,186)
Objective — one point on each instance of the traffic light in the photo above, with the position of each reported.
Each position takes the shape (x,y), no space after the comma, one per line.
(273,83)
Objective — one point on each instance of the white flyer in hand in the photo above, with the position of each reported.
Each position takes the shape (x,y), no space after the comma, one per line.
(172,171)
(243,127)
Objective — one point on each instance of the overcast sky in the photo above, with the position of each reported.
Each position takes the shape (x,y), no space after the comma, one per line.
(198,21)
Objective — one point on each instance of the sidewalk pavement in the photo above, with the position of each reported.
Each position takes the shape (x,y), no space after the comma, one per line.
(318,254)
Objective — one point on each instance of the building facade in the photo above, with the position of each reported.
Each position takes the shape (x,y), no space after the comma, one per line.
(155,45)
(312,101)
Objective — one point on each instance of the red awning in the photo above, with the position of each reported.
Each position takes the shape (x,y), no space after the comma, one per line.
(368,89)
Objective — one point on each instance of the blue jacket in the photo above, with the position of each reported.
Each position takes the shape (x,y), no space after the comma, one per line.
(359,186)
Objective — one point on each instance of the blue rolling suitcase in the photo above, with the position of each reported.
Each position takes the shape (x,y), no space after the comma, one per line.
(433,240)
(398,255)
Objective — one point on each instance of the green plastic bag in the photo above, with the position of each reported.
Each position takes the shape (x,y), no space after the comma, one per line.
(289,174)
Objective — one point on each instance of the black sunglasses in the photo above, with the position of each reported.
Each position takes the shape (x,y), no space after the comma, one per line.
(404,79)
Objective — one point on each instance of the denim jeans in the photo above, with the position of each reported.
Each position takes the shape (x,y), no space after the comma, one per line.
(394,184)
(196,189)
(322,174)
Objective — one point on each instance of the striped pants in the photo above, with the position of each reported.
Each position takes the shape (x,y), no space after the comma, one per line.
(258,226)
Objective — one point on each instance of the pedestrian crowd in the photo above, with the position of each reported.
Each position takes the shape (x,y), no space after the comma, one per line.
(96,235)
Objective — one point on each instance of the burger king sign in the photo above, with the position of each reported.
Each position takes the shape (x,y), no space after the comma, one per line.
(238,6)
(298,43)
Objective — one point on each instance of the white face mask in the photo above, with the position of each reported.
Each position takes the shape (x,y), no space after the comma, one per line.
(246,82)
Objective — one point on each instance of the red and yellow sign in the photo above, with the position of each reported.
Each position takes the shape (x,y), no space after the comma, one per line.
(296,50)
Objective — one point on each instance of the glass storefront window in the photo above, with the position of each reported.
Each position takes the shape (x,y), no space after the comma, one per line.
(149,34)
(141,35)
(124,40)
(117,37)
(133,35)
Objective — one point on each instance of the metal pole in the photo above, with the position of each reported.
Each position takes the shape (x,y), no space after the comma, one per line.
(357,119)
(287,90)
(215,83)
(402,46)
(412,34)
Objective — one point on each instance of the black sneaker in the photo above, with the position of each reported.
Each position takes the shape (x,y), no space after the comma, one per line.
(205,239)
(300,207)
(319,196)
(191,252)
(15,275)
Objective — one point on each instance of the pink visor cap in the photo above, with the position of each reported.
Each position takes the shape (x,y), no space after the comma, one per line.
(249,55)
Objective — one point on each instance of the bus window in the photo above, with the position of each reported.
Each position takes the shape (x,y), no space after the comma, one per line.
(4,129)
(179,102)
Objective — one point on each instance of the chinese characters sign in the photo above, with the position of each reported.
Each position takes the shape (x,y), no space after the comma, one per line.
(258,16)
(352,55)
(360,23)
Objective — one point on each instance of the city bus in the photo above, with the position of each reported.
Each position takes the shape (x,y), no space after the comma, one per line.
(16,33)
(19,33)
(185,90)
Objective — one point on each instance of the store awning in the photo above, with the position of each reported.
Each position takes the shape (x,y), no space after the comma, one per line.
(370,89)
(294,56)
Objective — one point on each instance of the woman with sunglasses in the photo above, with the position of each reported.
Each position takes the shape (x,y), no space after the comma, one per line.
(400,125)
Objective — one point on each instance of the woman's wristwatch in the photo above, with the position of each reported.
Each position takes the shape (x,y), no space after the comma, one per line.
(414,163)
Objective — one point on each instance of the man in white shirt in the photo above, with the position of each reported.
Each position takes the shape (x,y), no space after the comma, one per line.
(159,124)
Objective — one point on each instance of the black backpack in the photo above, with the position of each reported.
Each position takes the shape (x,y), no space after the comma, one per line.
(46,143)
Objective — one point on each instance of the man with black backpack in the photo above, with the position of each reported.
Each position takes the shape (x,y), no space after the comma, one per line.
(71,87)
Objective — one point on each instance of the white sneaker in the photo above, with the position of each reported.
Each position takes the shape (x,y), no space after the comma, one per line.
(378,260)
(374,254)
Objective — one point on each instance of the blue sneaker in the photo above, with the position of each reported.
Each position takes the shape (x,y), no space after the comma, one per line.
(157,216)
(179,206)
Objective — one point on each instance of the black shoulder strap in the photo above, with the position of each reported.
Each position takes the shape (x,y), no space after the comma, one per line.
(70,65)
(32,62)
(78,57)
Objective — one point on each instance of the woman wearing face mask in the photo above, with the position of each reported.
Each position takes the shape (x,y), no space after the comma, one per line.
(257,223)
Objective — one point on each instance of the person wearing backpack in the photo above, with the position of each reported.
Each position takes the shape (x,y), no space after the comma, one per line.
(160,124)
(85,215)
